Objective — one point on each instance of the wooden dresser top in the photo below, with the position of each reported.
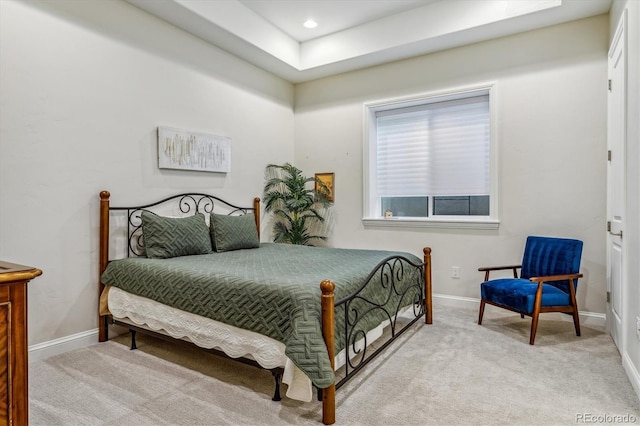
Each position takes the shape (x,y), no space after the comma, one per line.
(13,272)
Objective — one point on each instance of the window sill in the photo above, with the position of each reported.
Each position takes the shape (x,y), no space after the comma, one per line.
(444,223)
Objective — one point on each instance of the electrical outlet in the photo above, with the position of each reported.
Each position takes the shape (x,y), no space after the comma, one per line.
(638,327)
(455,272)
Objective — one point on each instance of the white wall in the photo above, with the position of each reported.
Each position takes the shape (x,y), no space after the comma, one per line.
(84,85)
(630,344)
(552,144)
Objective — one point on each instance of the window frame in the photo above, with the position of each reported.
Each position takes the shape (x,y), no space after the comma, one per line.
(369,215)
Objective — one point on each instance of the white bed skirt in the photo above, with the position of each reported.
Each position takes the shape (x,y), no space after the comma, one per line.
(210,334)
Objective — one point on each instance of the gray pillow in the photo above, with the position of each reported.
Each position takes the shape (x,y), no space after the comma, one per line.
(166,237)
(233,232)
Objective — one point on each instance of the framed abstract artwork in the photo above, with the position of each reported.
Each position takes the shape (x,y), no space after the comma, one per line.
(185,150)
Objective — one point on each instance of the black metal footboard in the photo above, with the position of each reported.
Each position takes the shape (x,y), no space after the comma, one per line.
(395,295)
(394,292)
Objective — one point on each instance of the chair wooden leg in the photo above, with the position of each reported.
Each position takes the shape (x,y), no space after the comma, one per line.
(481,313)
(576,321)
(534,327)
(536,313)
(574,303)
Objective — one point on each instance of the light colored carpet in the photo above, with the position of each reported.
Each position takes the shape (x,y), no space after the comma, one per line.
(453,372)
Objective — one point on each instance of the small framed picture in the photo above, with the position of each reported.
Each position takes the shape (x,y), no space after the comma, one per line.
(327,179)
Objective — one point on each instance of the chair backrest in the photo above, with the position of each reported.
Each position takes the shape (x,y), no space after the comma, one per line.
(544,256)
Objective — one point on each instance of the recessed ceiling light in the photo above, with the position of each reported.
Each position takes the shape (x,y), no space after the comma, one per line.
(310,23)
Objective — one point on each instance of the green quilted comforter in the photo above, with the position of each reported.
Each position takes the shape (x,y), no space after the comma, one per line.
(273,290)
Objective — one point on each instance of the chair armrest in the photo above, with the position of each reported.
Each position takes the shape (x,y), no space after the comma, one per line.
(542,280)
(497,268)
(487,269)
(555,278)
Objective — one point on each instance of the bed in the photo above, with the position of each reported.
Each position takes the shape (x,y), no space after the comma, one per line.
(313,316)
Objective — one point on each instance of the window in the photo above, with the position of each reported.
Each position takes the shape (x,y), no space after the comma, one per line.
(430,161)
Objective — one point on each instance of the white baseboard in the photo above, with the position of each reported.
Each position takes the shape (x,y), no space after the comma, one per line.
(632,373)
(86,338)
(456,301)
(592,319)
(64,344)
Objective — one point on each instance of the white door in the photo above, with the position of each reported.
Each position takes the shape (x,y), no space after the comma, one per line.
(616,143)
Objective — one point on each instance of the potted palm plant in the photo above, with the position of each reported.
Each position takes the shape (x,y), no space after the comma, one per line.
(295,203)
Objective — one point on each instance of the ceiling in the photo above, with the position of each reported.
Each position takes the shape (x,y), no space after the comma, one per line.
(332,15)
(353,34)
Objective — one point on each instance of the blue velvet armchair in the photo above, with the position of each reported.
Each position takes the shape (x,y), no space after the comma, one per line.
(548,281)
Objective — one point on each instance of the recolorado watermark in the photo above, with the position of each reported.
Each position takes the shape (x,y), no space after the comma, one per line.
(606,418)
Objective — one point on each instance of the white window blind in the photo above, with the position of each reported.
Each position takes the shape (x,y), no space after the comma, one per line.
(438,148)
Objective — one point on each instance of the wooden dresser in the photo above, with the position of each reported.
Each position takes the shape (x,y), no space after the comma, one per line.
(14,365)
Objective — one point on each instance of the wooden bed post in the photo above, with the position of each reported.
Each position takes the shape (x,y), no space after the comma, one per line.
(256,214)
(328,332)
(103,330)
(428,319)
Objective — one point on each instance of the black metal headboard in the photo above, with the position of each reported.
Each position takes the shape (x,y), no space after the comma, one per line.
(183,204)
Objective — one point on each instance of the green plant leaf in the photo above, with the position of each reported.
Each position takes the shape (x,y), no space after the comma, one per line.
(294,202)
